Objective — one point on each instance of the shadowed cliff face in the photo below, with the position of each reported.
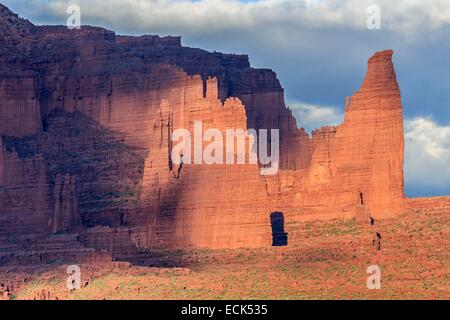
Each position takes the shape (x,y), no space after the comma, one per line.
(87,118)
(103,172)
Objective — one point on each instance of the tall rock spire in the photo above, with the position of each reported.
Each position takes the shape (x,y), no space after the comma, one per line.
(371,138)
(380,73)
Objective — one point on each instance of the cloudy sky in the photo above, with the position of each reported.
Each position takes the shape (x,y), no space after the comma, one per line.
(319,49)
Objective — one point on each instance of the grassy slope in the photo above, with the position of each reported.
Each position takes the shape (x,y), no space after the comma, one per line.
(325,260)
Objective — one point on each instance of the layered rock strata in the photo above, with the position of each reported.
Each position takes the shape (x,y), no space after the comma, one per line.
(86,148)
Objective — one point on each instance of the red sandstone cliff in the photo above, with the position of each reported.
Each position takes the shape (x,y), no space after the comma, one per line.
(86,117)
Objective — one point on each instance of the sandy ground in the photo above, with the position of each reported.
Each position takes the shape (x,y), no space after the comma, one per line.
(324,260)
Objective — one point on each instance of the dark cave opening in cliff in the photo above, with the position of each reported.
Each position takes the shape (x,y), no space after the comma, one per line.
(279,236)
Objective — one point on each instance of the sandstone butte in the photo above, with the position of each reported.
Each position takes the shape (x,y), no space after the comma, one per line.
(86,118)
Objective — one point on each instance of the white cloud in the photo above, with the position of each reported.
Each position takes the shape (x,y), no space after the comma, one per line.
(312,116)
(206,16)
(427,156)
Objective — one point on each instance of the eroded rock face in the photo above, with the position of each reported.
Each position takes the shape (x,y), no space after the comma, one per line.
(66,217)
(19,85)
(363,157)
(215,205)
(87,118)
(371,139)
